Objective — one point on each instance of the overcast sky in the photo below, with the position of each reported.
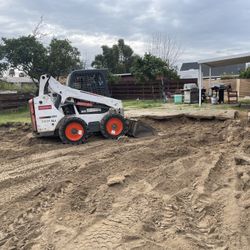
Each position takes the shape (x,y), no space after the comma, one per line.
(204,28)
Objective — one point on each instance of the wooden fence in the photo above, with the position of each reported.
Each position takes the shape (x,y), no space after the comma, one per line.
(243,87)
(124,90)
(13,100)
(129,89)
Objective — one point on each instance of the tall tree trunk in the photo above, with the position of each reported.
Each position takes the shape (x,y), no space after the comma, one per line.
(163,90)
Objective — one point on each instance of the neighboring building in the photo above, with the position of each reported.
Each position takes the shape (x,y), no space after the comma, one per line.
(15,76)
(191,70)
(125,76)
(17,79)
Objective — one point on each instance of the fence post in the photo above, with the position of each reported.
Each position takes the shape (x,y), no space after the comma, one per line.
(238,87)
(127,90)
(143,96)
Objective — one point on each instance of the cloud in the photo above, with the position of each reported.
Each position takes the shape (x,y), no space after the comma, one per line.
(204,28)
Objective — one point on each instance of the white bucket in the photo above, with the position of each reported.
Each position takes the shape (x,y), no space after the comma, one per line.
(214,100)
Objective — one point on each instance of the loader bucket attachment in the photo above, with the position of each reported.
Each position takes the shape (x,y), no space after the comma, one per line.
(139,129)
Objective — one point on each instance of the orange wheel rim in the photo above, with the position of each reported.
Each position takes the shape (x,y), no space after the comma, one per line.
(74,131)
(114,126)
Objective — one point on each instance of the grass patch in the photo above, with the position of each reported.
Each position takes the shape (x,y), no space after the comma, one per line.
(24,88)
(244,101)
(142,104)
(21,115)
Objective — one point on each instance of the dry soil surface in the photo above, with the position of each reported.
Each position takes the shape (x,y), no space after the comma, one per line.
(188,187)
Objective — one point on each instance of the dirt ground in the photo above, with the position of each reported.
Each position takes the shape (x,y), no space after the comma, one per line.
(188,187)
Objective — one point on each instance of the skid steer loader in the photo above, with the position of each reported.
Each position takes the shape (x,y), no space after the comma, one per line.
(74,114)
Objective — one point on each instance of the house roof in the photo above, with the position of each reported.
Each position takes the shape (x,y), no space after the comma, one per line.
(226,60)
(216,71)
(189,65)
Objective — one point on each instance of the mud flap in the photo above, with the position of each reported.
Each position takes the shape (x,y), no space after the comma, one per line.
(139,129)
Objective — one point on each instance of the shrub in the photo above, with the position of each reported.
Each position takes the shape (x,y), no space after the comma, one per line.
(245,73)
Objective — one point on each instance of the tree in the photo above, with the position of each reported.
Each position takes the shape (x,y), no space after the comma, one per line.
(25,53)
(63,58)
(150,67)
(3,67)
(117,59)
(164,47)
(38,32)
(3,63)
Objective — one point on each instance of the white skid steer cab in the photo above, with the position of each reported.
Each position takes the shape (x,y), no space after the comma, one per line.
(74,114)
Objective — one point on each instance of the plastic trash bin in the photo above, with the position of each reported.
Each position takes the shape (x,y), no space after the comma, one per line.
(178,99)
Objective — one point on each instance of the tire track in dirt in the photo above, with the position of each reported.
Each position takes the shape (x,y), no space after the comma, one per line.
(26,226)
(182,189)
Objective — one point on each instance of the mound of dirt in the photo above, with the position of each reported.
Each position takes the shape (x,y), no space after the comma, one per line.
(188,187)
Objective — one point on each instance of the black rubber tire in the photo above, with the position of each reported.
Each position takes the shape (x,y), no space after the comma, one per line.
(63,126)
(103,127)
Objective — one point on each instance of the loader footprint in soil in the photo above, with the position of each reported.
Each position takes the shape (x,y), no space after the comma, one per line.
(27,226)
